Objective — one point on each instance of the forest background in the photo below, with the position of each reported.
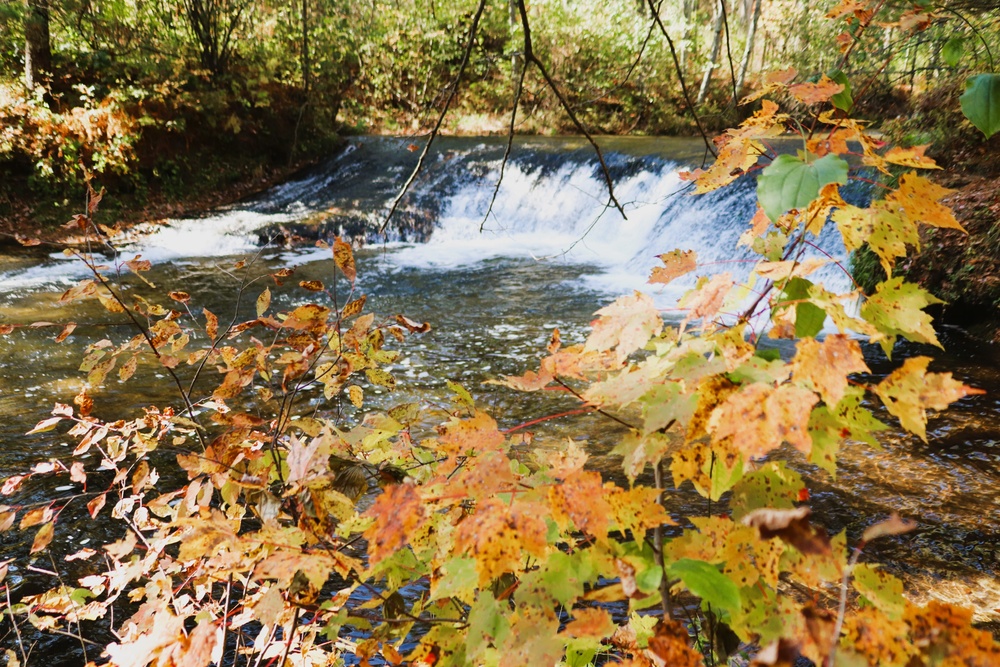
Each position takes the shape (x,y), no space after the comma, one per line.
(184,104)
(163,103)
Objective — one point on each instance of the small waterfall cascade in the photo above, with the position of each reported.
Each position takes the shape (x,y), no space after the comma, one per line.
(551,205)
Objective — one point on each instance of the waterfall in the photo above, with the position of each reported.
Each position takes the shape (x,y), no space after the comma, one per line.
(552,205)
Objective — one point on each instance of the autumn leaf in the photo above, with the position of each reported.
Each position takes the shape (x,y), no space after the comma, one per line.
(412,326)
(880,588)
(626,325)
(881,226)
(705,300)
(211,324)
(43,537)
(343,257)
(353,308)
(263,301)
(919,198)
(910,391)
(814,93)
(580,499)
(759,418)
(66,331)
(791,526)
(590,622)
(399,512)
(675,264)
(825,366)
(894,525)
(896,309)
(499,537)
(782,270)
(910,157)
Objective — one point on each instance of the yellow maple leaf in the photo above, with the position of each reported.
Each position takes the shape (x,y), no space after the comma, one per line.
(911,157)
(625,326)
(919,198)
(910,391)
(825,366)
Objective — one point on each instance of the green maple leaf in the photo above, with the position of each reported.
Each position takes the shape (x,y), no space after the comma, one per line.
(790,182)
(881,588)
(773,485)
(896,309)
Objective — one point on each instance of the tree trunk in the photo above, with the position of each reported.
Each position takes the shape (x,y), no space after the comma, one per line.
(748,49)
(305,46)
(689,7)
(716,49)
(37,50)
(513,22)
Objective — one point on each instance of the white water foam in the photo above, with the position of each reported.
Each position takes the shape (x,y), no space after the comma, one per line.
(228,233)
(562,216)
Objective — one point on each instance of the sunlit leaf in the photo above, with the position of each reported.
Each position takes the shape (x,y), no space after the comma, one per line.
(792,183)
(814,93)
(263,301)
(825,366)
(896,309)
(343,257)
(45,425)
(881,588)
(909,391)
(675,264)
(626,325)
(894,525)
(43,537)
(911,157)
(66,331)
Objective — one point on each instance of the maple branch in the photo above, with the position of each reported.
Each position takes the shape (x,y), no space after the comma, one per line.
(453,89)
(597,410)
(580,411)
(188,406)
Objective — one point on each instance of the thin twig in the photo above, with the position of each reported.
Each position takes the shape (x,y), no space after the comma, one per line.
(530,57)
(444,111)
(655,11)
(510,142)
(842,606)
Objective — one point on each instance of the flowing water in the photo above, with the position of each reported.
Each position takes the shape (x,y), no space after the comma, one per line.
(547,255)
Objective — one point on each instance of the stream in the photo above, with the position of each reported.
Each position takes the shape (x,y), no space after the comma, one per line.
(548,254)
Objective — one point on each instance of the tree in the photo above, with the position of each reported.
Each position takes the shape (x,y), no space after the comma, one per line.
(213,24)
(37,47)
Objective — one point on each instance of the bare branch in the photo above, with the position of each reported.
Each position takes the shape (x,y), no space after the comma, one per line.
(655,11)
(529,56)
(437,126)
(510,143)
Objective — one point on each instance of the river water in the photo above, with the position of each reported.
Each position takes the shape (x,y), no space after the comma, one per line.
(493,287)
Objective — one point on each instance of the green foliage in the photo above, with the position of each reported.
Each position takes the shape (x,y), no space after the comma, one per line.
(793,182)
(981,103)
